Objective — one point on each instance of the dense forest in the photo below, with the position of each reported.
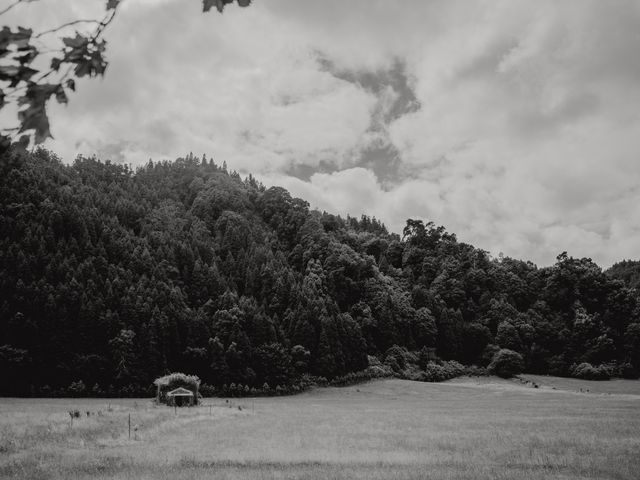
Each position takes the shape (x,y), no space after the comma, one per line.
(110,277)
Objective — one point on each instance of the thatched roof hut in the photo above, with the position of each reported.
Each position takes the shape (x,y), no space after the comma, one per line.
(177,389)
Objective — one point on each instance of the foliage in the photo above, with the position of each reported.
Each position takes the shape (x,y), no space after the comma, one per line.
(78,55)
(627,271)
(587,371)
(506,363)
(113,277)
(439,372)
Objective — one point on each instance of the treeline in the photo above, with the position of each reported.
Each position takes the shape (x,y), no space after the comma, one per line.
(111,277)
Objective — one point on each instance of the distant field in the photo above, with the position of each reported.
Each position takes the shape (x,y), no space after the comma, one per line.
(391,429)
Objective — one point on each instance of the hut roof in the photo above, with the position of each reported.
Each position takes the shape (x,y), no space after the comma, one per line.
(176,377)
(180,392)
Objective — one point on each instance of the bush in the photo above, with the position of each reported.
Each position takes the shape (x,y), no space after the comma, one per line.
(207,390)
(380,371)
(398,357)
(488,354)
(352,378)
(506,363)
(476,371)
(433,373)
(441,371)
(558,366)
(627,370)
(587,371)
(77,389)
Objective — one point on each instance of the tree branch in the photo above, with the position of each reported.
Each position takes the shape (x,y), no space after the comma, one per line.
(11,6)
(68,24)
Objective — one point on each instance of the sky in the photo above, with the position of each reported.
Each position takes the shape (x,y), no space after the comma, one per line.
(515,124)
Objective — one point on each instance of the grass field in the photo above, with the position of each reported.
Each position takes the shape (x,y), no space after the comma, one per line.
(390,429)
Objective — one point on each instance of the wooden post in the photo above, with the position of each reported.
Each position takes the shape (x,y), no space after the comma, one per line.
(175,409)
(129,426)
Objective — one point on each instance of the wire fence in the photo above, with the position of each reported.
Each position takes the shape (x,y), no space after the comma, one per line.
(135,419)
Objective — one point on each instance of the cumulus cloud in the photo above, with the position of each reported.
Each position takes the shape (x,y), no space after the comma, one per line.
(513,123)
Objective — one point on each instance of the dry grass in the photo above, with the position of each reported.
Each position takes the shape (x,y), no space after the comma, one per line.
(391,429)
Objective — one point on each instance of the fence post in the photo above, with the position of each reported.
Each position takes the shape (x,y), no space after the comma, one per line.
(129,426)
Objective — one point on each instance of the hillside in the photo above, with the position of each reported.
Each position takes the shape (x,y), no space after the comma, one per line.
(110,277)
(628,271)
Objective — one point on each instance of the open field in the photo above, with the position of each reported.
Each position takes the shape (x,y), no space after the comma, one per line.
(390,429)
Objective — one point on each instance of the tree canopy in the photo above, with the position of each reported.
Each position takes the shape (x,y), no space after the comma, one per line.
(112,277)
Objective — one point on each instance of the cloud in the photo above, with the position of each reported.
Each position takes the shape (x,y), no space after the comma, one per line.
(181,81)
(512,123)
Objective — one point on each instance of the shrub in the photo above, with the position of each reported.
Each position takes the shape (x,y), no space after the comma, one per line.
(351,378)
(397,358)
(488,354)
(433,373)
(439,372)
(558,366)
(627,370)
(506,363)
(207,390)
(476,371)
(77,389)
(373,361)
(587,371)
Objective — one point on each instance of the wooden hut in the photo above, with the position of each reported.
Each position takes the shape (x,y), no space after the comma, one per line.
(180,397)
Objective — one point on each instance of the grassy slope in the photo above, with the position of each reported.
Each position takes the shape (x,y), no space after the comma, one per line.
(386,429)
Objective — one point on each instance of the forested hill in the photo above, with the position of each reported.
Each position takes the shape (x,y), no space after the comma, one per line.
(112,277)
(628,271)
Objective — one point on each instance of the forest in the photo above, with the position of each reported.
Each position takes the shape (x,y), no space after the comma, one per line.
(111,277)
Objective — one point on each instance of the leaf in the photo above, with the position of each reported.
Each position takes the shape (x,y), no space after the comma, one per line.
(219,4)
(82,69)
(71,84)
(28,57)
(35,118)
(15,74)
(61,95)
(23,142)
(207,4)
(8,72)
(78,42)
(112,4)
(19,38)
(23,33)
(55,63)
(244,3)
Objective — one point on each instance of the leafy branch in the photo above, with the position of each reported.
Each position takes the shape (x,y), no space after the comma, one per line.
(30,89)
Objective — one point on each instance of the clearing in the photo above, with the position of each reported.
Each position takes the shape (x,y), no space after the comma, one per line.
(470,428)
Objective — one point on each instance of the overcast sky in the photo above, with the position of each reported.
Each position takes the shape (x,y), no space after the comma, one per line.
(515,124)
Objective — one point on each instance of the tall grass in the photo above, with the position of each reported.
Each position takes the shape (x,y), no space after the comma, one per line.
(385,429)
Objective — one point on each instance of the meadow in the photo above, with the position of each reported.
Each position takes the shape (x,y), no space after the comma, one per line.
(470,428)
